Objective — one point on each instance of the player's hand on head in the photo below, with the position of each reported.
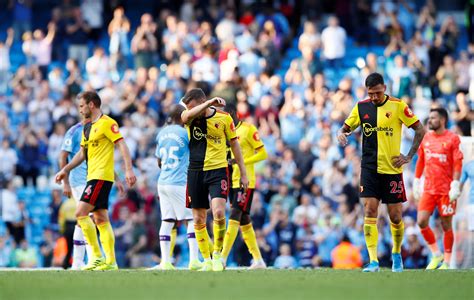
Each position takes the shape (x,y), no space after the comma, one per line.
(218,102)
(400,160)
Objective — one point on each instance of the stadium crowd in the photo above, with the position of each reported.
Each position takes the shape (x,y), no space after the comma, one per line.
(294,77)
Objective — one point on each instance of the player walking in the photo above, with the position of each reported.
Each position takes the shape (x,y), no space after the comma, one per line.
(253,151)
(209,129)
(381,118)
(440,160)
(98,139)
(172,151)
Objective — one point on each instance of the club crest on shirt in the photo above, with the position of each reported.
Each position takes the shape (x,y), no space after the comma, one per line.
(408,112)
(388,114)
(216,125)
(114,128)
(256,137)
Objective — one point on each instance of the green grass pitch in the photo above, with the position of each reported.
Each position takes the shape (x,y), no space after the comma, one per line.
(237,284)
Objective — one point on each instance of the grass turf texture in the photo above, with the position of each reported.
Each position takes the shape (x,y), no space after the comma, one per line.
(237,284)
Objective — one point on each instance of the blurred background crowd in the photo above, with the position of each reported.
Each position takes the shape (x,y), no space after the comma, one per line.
(293,68)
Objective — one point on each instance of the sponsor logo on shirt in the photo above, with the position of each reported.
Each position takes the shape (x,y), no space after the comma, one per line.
(368,129)
(199,135)
(440,156)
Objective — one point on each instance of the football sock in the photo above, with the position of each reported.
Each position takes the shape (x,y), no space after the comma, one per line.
(79,248)
(251,241)
(448,242)
(174,233)
(210,244)
(371,237)
(430,239)
(90,234)
(107,238)
(193,246)
(202,238)
(397,236)
(219,233)
(230,236)
(165,240)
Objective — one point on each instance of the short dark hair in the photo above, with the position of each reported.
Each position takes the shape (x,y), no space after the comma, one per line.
(175,114)
(193,94)
(373,80)
(442,112)
(89,97)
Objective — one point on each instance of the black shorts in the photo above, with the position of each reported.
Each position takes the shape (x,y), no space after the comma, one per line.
(241,200)
(201,184)
(97,193)
(386,187)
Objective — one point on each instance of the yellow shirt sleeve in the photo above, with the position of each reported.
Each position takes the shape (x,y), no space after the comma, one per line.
(83,139)
(406,115)
(254,138)
(111,131)
(353,121)
(229,128)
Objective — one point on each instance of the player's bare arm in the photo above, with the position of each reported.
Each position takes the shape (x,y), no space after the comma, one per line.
(130,177)
(67,191)
(401,159)
(76,161)
(235,147)
(342,135)
(188,115)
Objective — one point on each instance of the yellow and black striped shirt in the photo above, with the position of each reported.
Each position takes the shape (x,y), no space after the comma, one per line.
(207,140)
(382,131)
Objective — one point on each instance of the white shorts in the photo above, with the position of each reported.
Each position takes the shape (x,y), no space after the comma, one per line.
(77,192)
(173,203)
(470,215)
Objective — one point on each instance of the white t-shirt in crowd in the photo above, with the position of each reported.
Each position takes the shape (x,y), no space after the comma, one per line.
(334,42)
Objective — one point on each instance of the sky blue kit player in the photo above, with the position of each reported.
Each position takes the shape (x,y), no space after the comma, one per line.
(173,151)
(72,145)
(468,173)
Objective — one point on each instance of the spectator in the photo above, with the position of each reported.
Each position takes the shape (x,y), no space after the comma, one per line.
(446,76)
(98,69)
(47,247)
(463,115)
(346,255)
(11,211)
(334,43)
(310,38)
(144,43)
(5,61)
(22,16)
(8,161)
(285,260)
(29,167)
(78,31)
(118,30)
(306,213)
(42,48)
(25,256)
(92,10)
(5,252)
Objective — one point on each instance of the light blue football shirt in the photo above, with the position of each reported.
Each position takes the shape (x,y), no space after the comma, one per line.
(173,150)
(72,145)
(468,173)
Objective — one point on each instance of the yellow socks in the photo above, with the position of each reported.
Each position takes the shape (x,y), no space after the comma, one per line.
(219,233)
(371,237)
(209,242)
(107,238)
(397,236)
(230,236)
(90,234)
(251,241)
(174,233)
(202,238)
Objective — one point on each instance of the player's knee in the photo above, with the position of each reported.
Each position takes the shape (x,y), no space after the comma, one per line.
(422,222)
(395,219)
(245,219)
(80,213)
(218,213)
(235,214)
(446,225)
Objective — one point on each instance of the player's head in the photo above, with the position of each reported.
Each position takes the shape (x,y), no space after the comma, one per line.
(88,102)
(375,88)
(193,97)
(175,114)
(231,109)
(438,118)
